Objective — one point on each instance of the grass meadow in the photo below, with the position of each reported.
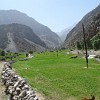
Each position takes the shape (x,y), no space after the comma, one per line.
(60,77)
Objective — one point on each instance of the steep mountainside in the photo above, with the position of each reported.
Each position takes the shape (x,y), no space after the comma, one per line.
(45,34)
(16,37)
(64,32)
(91,23)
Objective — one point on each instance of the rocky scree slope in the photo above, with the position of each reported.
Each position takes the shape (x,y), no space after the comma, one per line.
(19,38)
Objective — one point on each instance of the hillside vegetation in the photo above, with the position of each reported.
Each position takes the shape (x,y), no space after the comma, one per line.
(93,43)
(61,77)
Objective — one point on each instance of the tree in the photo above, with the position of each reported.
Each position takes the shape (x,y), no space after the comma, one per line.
(96,44)
(31,52)
(2,53)
(26,54)
(79,45)
(89,44)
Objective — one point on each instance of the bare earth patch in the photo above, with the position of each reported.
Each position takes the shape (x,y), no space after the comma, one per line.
(40,96)
(71,98)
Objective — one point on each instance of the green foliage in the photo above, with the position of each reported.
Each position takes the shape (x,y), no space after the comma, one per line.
(26,54)
(89,44)
(96,41)
(31,52)
(8,56)
(79,47)
(96,44)
(60,78)
(2,53)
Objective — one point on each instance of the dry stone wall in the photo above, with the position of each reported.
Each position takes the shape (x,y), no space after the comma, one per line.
(15,86)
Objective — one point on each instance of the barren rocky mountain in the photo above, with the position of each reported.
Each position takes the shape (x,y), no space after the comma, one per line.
(91,23)
(18,38)
(12,16)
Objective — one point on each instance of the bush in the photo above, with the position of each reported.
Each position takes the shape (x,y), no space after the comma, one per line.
(2,53)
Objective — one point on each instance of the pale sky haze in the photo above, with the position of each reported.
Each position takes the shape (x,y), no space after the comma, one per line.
(56,14)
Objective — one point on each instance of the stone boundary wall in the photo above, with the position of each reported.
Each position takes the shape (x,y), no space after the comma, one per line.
(15,86)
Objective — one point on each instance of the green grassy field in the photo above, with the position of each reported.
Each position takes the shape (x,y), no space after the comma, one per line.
(61,78)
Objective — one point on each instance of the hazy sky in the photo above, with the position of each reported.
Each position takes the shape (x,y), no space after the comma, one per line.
(56,14)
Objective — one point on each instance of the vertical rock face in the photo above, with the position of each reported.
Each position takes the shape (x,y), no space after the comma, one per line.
(45,34)
(91,23)
(16,37)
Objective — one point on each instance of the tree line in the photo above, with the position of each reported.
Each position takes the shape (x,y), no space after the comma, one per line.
(93,43)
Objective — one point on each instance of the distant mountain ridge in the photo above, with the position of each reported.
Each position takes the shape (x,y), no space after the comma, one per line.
(91,22)
(13,16)
(64,32)
(19,38)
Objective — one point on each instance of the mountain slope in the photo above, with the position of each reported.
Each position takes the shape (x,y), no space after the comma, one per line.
(45,34)
(64,32)
(15,37)
(91,23)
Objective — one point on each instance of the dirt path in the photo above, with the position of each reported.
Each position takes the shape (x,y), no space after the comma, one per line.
(2,94)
